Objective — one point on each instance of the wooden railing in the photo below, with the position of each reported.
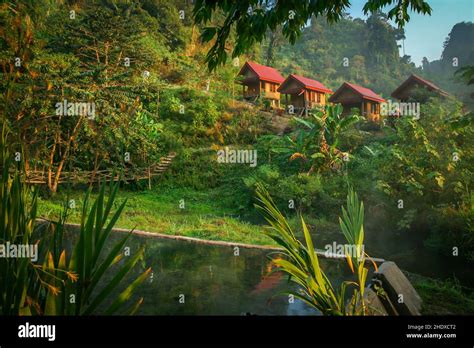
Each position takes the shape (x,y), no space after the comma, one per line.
(272,95)
(251,94)
(37,177)
(266,94)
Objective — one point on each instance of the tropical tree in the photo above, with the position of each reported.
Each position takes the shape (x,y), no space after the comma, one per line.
(251,19)
(100,58)
(317,143)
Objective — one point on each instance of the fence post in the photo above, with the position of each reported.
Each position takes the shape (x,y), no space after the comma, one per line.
(149,178)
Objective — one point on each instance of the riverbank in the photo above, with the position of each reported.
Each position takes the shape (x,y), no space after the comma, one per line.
(206,217)
(439,297)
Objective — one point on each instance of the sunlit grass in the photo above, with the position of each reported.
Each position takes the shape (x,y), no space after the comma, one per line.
(203,216)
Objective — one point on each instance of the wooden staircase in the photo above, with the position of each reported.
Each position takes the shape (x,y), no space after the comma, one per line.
(163,165)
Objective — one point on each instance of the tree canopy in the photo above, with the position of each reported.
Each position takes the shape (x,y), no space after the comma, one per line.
(252,19)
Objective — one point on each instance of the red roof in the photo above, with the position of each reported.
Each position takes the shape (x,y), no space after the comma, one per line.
(264,72)
(426,82)
(364,92)
(310,83)
(416,78)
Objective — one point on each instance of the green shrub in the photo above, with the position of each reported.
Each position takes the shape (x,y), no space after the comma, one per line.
(44,286)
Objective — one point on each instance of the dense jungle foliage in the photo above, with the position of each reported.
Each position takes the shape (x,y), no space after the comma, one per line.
(144,67)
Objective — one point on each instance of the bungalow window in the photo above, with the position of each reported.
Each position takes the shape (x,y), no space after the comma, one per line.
(318,97)
(273,87)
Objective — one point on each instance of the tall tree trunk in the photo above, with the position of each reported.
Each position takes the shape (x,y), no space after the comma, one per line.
(271,49)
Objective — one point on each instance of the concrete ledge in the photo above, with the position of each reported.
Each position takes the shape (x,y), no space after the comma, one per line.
(401,294)
(210,242)
(374,304)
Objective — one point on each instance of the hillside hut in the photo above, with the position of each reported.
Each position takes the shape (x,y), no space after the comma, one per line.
(409,90)
(260,81)
(303,93)
(354,96)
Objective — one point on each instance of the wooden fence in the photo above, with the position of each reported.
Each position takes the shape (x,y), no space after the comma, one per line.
(38,177)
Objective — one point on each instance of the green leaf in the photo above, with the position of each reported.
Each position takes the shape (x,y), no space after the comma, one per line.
(127,293)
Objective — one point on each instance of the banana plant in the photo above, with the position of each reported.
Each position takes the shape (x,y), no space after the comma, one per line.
(324,130)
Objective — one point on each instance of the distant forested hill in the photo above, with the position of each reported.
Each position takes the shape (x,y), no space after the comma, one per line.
(458,52)
(368,47)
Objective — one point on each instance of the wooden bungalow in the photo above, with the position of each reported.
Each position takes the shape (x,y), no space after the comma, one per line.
(354,96)
(260,81)
(409,89)
(304,93)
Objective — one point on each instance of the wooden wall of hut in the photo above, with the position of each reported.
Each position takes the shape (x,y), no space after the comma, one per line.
(251,89)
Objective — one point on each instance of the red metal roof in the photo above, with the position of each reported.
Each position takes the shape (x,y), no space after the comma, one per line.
(311,84)
(413,77)
(365,92)
(264,72)
(426,82)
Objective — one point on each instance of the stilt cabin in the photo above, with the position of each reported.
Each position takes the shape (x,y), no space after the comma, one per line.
(417,89)
(354,96)
(260,81)
(303,93)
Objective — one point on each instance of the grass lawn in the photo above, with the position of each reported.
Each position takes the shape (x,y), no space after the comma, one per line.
(204,214)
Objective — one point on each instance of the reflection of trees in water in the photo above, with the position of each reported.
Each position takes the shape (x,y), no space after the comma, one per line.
(212,279)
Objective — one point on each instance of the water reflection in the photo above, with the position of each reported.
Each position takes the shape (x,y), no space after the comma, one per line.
(197,279)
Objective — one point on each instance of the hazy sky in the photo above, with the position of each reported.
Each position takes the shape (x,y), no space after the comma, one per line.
(425,34)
